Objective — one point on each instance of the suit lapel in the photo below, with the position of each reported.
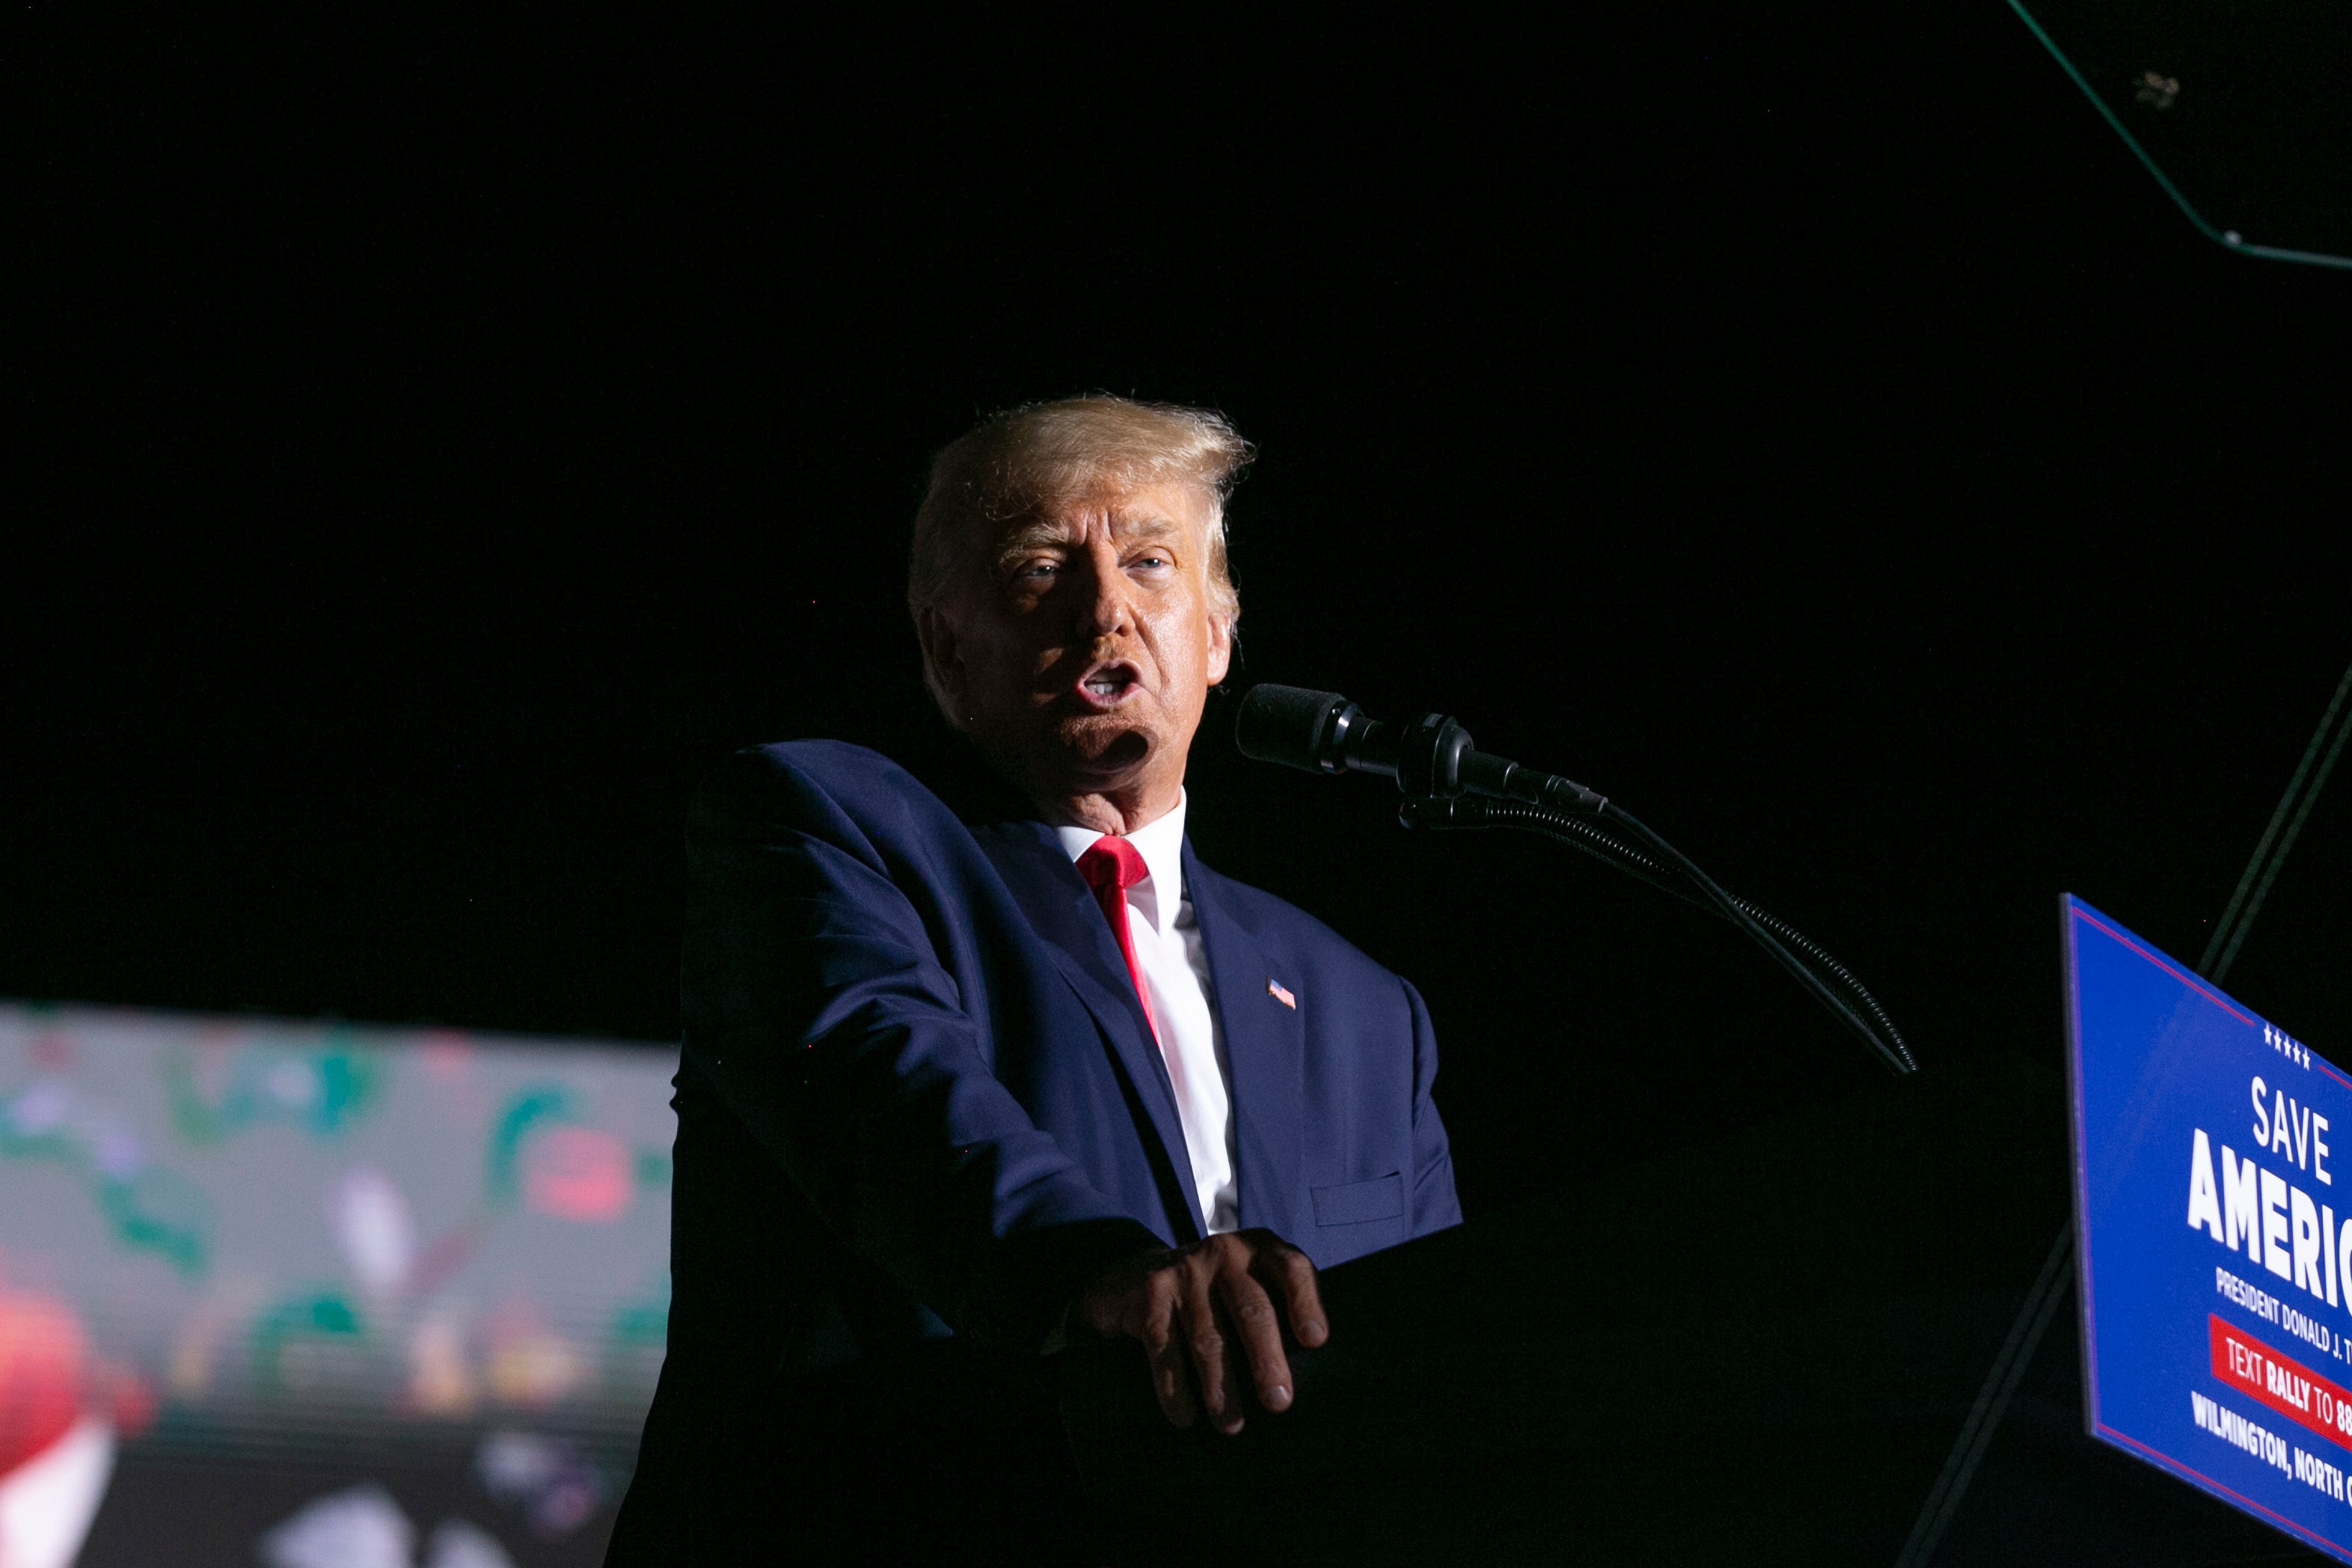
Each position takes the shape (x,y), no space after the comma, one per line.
(1062,910)
(1265,1053)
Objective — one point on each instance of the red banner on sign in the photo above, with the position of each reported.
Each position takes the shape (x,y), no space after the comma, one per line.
(2294,1391)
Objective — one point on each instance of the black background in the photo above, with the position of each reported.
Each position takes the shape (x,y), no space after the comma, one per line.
(1815,433)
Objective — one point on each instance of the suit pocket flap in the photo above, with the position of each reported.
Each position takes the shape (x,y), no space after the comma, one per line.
(1358,1201)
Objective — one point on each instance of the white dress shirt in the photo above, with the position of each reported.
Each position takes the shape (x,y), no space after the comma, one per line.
(1175,967)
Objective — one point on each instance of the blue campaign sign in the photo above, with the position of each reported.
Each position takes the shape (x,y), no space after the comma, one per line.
(2216,1240)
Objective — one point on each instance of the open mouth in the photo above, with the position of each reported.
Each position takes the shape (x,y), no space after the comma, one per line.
(1109,685)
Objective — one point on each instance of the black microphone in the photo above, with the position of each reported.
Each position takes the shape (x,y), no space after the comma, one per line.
(1431,758)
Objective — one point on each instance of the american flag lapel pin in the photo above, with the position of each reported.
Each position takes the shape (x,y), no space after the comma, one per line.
(1273,989)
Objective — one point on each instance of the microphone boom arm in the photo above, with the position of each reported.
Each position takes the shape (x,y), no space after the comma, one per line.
(1856,1009)
(1448,783)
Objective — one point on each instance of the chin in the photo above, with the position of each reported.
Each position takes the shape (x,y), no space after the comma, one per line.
(1104,750)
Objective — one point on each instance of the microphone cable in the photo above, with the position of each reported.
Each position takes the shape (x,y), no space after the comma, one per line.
(1856,1007)
(1447,783)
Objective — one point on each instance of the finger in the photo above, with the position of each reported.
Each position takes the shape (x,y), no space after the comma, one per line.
(1260,1333)
(1238,1372)
(1172,1380)
(1294,1274)
(1204,1334)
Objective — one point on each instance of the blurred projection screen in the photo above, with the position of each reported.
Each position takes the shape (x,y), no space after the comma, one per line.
(2240,109)
(233,1250)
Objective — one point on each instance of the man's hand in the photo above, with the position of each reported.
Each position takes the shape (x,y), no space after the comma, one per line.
(1207,1319)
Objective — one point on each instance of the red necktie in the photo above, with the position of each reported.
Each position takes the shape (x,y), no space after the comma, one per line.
(1111,866)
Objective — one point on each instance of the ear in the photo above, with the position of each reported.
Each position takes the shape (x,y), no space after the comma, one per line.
(942,661)
(1221,647)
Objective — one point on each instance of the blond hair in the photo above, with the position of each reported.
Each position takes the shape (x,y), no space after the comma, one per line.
(1044,454)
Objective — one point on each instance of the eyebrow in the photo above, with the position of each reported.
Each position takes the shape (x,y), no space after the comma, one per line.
(1043,534)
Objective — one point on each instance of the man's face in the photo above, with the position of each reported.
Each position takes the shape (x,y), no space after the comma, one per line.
(1080,647)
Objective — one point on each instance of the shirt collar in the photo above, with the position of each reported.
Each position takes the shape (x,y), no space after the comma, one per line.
(1161,842)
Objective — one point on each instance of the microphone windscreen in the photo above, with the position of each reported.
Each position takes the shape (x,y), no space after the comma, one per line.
(1286,724)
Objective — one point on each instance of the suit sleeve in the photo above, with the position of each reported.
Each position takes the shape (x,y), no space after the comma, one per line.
(1434,1207)
(816,1008)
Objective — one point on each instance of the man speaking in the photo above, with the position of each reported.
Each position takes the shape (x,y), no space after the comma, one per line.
(963,1084)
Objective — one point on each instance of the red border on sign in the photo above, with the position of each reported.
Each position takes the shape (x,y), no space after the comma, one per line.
(2125,1440)
(2191,980)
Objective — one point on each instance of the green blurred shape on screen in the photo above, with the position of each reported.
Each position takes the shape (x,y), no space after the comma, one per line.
(2240,109)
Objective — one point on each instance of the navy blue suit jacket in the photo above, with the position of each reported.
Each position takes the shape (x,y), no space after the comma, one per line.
(918,1095)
